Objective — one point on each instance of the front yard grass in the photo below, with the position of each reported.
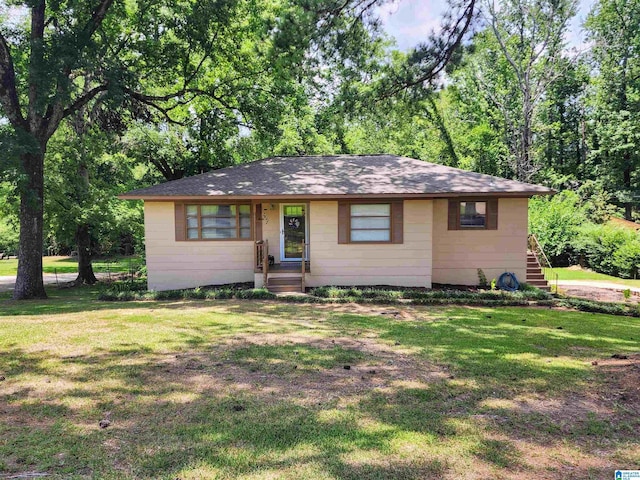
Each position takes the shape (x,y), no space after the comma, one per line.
(574,273)
(248,389)
(70,265)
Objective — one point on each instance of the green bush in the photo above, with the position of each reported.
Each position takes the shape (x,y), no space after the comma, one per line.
(378,295)
(196,293)
(8,237)
(482,279)
(600,307)
(627,257)
(255,294)
(568,237)
(391,295)
(220,294)
(556,221)
(609,249)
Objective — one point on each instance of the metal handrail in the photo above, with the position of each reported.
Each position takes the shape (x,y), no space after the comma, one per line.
(538,252)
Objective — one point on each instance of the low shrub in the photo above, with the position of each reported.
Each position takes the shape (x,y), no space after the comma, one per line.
(382,296)
(136,285)
(168,295)
(482,279)
(220,294)
(600,307)
(390,294)
(255,294)
(327,292)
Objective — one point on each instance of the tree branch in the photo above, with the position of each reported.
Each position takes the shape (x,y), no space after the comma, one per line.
(97,18)
(503,47)
(152,100)
(8,90)
(57,112)
(457,32)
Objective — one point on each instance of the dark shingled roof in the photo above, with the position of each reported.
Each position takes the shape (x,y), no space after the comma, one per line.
(337,175)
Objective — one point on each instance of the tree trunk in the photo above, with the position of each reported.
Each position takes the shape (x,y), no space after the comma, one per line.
(436,118)
(628,210)
(85,268)
(525,170)
(29,284)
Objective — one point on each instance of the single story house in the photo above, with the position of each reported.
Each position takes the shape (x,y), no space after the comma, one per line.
(292,222)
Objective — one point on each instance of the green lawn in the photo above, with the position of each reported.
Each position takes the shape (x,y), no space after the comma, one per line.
(70,265)
(258,390)
(574,274)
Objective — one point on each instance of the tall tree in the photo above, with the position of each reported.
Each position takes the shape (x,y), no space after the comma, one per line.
(157,57)
(562,147)
(614,28)
(153,56)
(529,36)
(82,183)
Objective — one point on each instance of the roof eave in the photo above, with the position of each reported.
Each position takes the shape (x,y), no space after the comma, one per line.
(172,198)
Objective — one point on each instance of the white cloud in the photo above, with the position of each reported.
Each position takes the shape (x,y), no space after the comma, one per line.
(411,21)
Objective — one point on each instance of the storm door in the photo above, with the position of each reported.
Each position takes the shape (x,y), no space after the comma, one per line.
(293,231)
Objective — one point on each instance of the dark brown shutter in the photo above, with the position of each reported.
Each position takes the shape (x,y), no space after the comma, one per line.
(258,222)
(492,214)
(397,222)
(181,218)
(344,218)
(454,207)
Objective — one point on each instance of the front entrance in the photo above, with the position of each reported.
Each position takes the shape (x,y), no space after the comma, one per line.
(293,231)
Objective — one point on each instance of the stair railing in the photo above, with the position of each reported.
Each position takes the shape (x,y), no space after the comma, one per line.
(259,255)
(265,263)
(303,266)
(550,275)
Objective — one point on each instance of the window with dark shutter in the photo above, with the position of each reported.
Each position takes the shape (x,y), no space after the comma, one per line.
(473,214)
(213,222)
(370,222)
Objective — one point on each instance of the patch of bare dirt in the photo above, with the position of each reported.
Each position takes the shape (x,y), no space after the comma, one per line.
(562,410)
(620,387)
(598,294)
(380,366)
(396,312)
(622,381)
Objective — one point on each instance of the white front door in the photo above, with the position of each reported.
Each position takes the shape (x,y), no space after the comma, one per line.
(293,231)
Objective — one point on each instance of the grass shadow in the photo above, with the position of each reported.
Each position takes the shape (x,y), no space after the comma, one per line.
(210,391)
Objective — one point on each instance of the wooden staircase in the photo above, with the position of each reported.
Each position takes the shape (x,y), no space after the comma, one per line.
(535,275)
(288,284)
(282,278)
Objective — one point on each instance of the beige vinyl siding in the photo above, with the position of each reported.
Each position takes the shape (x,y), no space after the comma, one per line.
(406,264)
(172,265)
(271,227)
(458,254)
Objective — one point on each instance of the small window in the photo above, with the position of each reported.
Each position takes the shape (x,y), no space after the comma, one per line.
(370,223)
(473,214)
(218,222)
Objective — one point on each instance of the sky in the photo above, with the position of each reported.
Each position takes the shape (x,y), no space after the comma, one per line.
(410,21)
